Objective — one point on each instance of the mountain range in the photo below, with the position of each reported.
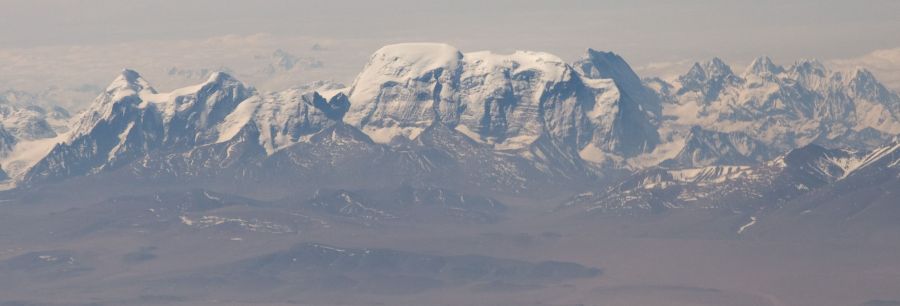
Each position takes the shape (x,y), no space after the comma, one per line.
(467,178)
(527,122)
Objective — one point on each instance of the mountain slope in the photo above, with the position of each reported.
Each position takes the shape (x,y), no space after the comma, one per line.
(860,204)
(708,148)
(742,188)
(635,126)
(528,111)
(506,123)
(506,100)
(131,119)
(786,108)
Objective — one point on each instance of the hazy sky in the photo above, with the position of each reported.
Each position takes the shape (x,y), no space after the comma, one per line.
(652,35)
(645,30)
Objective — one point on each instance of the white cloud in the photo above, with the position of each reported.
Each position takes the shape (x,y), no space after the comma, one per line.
(664,70)
(63,72)
(884,63)
(248,57)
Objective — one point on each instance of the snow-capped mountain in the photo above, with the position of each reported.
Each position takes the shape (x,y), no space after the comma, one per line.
(508,101)
(708,148)
(861,203)
(26,129)
(634,126)
(130,119)
(52,100)
(502,122)
(784,108)
(526,121)
(25,119)
(282,118)
(741,188)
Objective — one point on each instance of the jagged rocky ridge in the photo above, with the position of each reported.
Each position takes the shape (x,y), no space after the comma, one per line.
(783,108)
(708,148)
(417,111)
(25,121)
(510,102)
(430,114)
(743,188)
(22,124)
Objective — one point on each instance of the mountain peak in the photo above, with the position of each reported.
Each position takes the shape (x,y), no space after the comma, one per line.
(708,147)
(809,62)
(809,66)
(130,74)
(220,77)
(594,53)
(219,81)
(716,67)
(806,152)
(717,61)
(424,56)
(763,65)
(709,77)
(695,73)
(861,73)
(402,62)
(863,84)
(712,69)
(130,80)
(607,65)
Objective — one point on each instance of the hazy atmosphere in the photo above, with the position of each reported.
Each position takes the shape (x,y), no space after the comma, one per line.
(77,43)
(502,153)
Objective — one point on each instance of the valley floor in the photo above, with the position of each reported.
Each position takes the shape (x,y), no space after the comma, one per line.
(63,253)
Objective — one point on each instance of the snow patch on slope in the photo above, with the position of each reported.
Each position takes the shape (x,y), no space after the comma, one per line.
(27,153)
